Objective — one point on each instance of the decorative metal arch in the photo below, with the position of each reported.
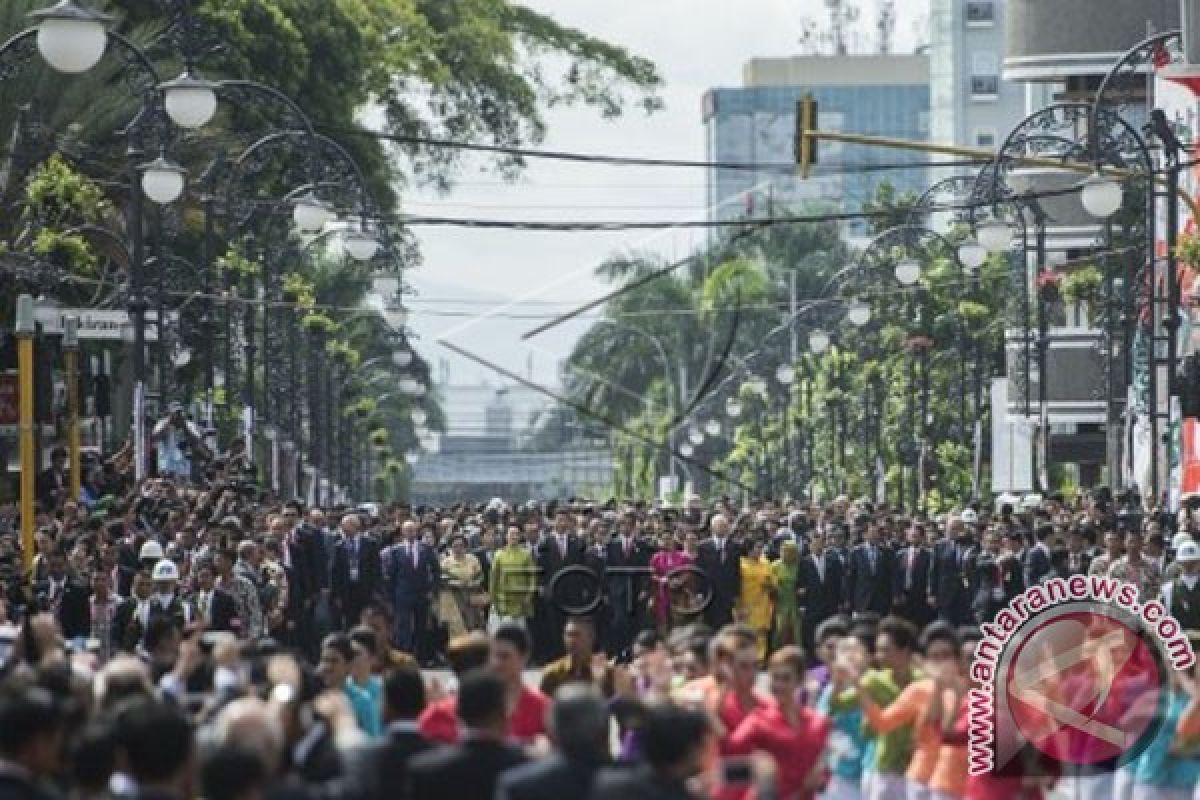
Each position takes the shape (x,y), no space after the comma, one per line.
(1129,79)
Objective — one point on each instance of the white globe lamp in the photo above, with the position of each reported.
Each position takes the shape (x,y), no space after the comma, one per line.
(1102,196)
(70,38)
(163,181)
(189,101)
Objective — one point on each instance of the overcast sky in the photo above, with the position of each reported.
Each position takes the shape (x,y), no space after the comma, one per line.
(481,288)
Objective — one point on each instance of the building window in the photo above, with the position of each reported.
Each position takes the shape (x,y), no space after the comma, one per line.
(985,137)
(985,76)
(980,13)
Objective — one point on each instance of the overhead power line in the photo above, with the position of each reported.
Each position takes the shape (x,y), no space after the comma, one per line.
(621,160)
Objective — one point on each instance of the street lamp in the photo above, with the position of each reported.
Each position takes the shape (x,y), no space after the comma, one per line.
(402,358)
(733,407)
(418,417)
(1102,196)
(310,213)
(757,384)
(972,254)
(686,450)
(908,271)
(995,235)
(859,313)
(189,101)
(696,436)
(785,374)
(713,428)
(818,341)
(162,181)
(360,244)
(70,38)
(411,457)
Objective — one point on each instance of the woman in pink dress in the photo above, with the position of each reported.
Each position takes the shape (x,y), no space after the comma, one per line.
(668,580)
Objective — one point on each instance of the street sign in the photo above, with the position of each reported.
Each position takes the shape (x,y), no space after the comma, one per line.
(97,324)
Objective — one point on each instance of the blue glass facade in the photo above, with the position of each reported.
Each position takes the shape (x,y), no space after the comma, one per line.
(758,125)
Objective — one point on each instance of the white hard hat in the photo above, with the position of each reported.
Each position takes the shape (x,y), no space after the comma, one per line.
(1189,553)
(968,516)
(165,571)
(1180,539)
(151,550)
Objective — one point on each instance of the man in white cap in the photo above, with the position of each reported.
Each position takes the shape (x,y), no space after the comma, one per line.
(1174,568)
(1182,595)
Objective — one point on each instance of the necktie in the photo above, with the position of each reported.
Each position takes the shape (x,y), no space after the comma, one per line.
(416,555)
(871,558)
(628,546)
(204,605)
(908,576)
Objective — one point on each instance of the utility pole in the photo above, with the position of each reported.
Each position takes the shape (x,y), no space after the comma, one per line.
(26,328)
(71,355)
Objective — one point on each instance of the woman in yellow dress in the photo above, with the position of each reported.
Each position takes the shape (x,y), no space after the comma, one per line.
(462,580)
(756,605)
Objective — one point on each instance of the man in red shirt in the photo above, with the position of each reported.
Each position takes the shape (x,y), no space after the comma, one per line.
(507,657)
(439,721)
(527,706)
(791,733)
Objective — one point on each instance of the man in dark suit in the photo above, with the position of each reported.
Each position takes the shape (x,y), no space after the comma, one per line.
(911,580)
(470,769)
(357,573)
(674,741)
(950,573)
(1079,560)
(720,560)
(66,597)
(31,725)
(625,555)
(302,555)
(52,486)
(819,586)
(1036,562)
(379,769)
(579,728)
(485,552)
(412,576)
(561,593)
(869,574)
(215,607)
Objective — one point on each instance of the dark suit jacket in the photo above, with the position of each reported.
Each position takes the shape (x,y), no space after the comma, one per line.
(640,783)
(379,768)
(406,583)
(351,595)
(573,589)
(14,788)
(1037,564)
(305,552)
(724,572)
(869,586)
(949,580)
(465,771)
(554,778)
(74,612)
(917,594)
(484,556)
(222,610)
(51,488)
(819,598)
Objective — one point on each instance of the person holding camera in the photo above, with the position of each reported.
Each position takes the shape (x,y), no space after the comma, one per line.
(179,444)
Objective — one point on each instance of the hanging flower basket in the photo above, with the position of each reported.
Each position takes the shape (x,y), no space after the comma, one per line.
(918,343)
(1049,283)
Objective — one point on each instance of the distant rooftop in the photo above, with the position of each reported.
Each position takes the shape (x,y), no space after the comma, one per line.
(847,70)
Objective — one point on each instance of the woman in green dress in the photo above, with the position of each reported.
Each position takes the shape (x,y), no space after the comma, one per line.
(786,625)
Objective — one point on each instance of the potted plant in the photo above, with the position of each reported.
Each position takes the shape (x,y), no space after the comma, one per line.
(1048,284)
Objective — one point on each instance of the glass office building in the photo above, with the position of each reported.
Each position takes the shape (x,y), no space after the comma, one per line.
(877,95)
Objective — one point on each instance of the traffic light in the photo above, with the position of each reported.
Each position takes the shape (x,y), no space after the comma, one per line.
(806,145)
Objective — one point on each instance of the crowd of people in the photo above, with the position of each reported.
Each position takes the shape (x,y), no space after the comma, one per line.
(191,636)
